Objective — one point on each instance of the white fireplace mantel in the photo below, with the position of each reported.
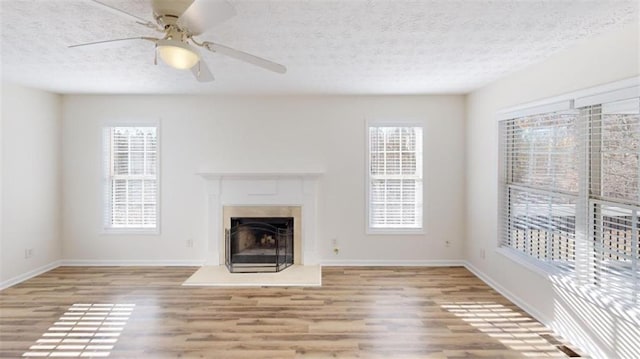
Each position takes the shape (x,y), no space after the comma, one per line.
(260,188)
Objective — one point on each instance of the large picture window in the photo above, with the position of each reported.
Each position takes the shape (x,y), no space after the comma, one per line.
(131,181)
(571,192)
(395,178)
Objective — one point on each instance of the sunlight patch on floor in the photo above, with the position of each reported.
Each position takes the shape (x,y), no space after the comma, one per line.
(509,327)
(83,331)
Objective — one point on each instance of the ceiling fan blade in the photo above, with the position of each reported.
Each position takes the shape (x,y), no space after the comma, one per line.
(201,72)
(152,39)
(204,14)
(246,57)
(120,12)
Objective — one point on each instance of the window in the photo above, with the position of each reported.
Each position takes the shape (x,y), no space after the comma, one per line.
(571,191)
(131,181)
(614,195)
(395,178)
(541,188)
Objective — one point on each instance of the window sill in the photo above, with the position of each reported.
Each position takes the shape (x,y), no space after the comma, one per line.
(130,231)
(395,231)
(541,269)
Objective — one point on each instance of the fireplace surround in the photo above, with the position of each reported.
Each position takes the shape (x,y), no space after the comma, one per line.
(262,194)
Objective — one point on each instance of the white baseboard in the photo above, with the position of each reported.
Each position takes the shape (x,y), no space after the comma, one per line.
(130,263)
(509,295)
(393,263)
(28,275)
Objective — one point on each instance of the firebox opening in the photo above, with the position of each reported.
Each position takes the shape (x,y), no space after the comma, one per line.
(259,244)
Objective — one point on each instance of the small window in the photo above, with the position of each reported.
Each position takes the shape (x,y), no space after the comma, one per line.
(395,178)
(131,181)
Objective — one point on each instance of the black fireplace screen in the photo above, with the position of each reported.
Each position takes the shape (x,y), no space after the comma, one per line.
(259,244)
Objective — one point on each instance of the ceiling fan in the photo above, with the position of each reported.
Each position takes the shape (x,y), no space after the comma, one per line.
(179,21)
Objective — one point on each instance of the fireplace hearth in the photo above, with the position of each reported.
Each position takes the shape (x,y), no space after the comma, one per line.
(259,244)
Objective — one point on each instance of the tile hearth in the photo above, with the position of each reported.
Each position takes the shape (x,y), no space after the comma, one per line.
(294,276)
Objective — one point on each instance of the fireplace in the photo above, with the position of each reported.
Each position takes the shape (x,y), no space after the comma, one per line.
(261,194)
(259,244)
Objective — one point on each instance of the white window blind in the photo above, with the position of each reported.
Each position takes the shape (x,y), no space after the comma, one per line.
(395,177)
(615,254)
(540,192)
(131,183)
(571,193)
(614,196)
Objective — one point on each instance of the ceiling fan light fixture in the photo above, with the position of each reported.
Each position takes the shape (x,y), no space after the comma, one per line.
(178,54)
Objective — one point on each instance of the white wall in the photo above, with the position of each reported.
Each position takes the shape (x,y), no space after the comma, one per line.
(611,57)
(1,175)
(263,133)
(31,184)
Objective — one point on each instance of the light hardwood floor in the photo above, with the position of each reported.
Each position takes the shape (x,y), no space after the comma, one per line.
(359,312)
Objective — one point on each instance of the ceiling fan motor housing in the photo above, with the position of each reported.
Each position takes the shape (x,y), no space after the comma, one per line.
(172,8)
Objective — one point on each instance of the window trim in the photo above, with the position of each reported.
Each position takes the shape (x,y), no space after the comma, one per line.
(628,84)
(105,126)
(400,122)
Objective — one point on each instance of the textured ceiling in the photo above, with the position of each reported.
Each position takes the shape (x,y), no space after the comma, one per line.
(337,47)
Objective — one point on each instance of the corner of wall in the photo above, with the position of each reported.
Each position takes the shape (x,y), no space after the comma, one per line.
(31,206)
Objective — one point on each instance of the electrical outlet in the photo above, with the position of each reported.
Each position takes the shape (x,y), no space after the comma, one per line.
(482,254)
(31,252)
(189,243)
(26,254)
(334,244)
